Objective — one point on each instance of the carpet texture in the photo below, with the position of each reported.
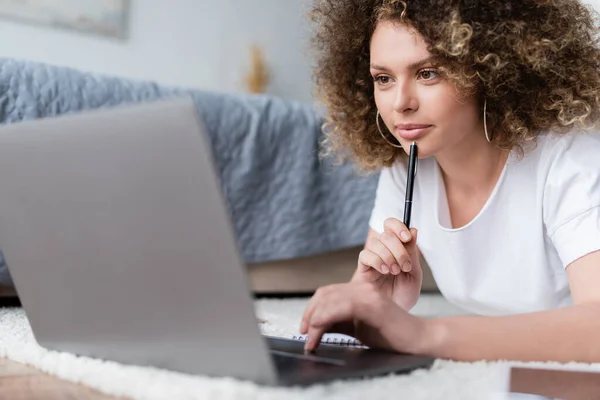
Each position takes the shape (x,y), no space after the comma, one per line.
(445,380)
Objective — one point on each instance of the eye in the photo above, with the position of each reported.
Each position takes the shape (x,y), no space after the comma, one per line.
(382,79)
(428,74)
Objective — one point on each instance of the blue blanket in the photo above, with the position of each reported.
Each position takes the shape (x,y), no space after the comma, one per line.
(283,200)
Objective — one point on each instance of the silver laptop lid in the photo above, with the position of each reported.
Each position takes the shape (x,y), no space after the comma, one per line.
(120,245)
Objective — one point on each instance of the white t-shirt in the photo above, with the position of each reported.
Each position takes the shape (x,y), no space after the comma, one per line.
(543,214)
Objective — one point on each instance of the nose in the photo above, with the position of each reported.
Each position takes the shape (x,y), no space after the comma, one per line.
(406,99)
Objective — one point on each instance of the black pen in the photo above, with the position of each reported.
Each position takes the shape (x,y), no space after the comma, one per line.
(413,160)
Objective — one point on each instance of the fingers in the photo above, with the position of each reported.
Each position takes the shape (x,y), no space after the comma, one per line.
(392,252)
(346,328)
(398,228)
(312,305)
(340,307)
(313,339)
(384,254)
(308,312)
(332,310)
(411,247)
(400,255)
(375,255)
(408,237)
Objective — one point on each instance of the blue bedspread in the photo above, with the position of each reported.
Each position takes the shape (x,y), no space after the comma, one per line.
(284,201)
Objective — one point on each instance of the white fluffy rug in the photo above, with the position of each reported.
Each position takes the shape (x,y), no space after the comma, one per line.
(445,380)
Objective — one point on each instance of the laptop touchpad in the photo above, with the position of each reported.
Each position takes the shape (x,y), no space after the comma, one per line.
(308,357)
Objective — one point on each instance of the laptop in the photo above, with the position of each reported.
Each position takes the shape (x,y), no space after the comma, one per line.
(121,247)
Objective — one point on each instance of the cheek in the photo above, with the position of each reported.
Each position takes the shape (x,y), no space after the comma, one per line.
(466,117)
(462,116)
(453,114)
(384,101)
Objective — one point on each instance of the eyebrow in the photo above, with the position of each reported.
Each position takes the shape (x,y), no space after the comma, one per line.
(414,65)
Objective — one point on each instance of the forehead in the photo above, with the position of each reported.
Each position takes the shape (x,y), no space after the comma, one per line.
(397,45)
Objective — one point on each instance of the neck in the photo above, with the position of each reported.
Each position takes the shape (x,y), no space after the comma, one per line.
(473,166)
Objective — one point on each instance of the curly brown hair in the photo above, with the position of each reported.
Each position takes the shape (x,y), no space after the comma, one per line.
(537,62)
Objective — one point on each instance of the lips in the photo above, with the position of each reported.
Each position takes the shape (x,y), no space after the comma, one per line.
(412,131)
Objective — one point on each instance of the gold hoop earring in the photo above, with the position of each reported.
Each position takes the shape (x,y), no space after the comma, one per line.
(487,136)
(382,135)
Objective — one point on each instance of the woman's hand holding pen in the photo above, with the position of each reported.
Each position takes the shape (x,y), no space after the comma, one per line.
(391,262)
(374,306)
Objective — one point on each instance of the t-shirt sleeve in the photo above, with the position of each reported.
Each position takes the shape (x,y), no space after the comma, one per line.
(571,206)
(389,197)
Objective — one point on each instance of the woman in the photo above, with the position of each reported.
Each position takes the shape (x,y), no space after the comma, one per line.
(501,98)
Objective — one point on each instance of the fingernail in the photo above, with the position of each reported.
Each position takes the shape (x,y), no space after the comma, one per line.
(405,235)
(385,268)
(395,269)
(406,267)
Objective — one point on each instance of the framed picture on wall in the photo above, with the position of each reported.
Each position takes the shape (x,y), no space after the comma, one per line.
(106,18)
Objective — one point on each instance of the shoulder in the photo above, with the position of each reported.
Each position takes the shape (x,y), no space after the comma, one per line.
(554,158)
(571,193)
(575,150)
(570,173)
(567,159)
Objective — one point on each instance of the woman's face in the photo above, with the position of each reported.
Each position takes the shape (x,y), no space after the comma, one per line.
(415,103)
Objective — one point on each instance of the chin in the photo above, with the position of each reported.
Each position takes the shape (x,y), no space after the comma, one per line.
(425,150)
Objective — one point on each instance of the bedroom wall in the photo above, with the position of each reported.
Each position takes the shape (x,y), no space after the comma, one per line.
(194,43)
